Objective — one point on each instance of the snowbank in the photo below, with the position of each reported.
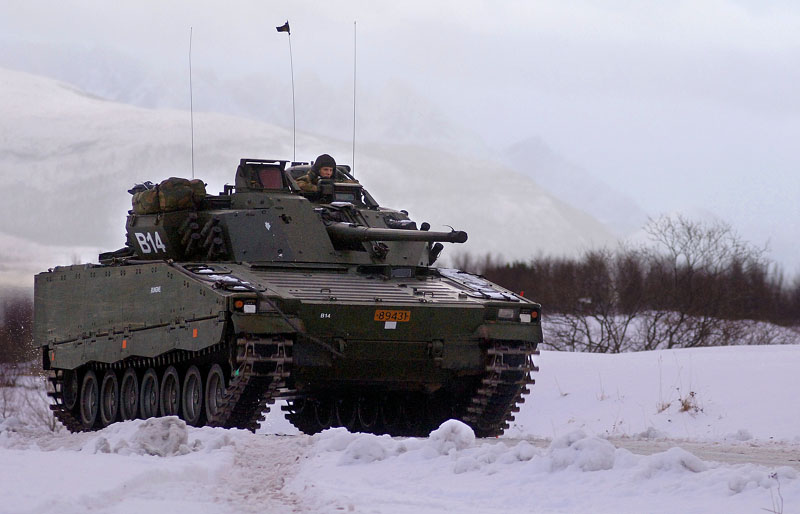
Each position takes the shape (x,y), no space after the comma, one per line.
(159,464)
(451,471)
(162,437)
(163,465)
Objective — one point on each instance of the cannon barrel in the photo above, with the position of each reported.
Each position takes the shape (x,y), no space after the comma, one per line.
(346,232)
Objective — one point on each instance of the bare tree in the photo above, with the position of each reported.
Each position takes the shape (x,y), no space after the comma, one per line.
(16,330)
(695,284)
(9,379)
(604,315)
(689,298)
(37,404)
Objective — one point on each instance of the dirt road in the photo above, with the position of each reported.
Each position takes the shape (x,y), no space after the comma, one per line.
(772,454)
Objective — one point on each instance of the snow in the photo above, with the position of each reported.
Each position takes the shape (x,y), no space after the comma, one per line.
(576,473)
(565,453)
(478,286)
(732,393)
(338,471)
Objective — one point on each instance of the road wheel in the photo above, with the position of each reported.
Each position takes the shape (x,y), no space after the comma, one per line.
(148,399)
(109,398)
(69,389)
(192,400)
(89,400)
(323,412)
(368,411)
(215,393)
(390,413)
(129,395)
(170,392)
(346,409)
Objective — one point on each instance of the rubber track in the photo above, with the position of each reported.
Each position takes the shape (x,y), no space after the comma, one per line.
(60,412)
(256,381)
(508,373)
(488,411)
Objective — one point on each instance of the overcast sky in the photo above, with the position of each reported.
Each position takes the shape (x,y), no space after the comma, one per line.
(684,104)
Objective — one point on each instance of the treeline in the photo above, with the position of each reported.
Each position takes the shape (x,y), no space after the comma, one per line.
(626,283)
(694,285)
(16,329)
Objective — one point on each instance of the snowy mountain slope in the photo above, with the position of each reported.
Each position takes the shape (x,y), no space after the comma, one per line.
(68,158)
(581,189)
(746,398)
(400,114)
(503,212)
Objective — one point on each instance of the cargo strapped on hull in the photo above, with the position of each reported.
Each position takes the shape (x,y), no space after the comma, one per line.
(172,194)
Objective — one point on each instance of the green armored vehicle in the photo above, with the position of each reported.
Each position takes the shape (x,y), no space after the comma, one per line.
(219,305)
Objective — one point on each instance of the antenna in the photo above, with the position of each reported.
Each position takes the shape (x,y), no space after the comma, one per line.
(285,28)
(353,162)
(191,99)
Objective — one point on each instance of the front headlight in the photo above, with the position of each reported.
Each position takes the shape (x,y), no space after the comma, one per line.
(529,316)
(506,313)
(245,306)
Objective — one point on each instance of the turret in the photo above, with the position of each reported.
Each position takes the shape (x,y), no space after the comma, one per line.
(266,218)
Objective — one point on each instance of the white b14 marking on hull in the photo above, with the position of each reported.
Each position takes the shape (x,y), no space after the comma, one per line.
(150,243)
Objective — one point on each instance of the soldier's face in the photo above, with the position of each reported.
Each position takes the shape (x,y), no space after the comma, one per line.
(326,172)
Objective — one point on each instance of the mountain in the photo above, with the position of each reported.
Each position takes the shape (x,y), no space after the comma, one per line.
(67,159)
(575,185)
(397,114)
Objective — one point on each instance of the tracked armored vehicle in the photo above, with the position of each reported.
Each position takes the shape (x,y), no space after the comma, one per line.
(219,305)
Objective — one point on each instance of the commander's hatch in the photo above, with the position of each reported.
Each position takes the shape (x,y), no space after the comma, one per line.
(346,188)
(261,175)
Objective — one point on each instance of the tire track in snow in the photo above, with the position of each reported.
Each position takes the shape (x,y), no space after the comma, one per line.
(262,466)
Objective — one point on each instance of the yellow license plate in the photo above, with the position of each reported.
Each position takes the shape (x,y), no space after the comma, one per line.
(388,315)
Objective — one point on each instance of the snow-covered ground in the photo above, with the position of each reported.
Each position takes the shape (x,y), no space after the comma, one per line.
(744,392)
(565,453)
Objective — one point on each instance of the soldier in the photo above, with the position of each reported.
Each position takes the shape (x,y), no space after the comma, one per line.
(324,167)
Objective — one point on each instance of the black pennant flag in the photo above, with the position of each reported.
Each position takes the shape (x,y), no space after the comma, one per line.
(284,28)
